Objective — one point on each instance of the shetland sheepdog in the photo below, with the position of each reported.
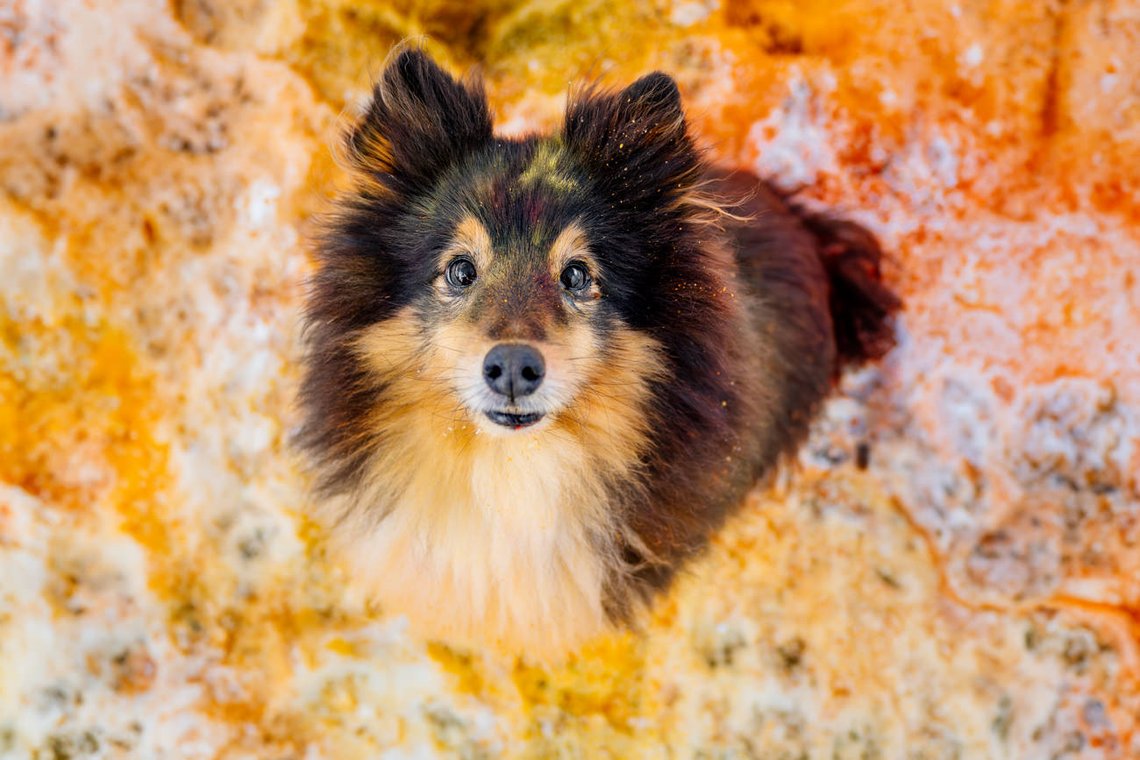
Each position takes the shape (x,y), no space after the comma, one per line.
(540,372)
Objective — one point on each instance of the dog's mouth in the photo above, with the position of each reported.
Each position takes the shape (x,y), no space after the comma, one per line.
(514,421)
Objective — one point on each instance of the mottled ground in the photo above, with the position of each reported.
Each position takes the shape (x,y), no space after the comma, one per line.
(974,592)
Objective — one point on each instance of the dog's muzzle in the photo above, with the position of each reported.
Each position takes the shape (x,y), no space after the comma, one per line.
(513,371)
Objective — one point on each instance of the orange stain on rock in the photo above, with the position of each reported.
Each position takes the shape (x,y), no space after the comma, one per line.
(83,434)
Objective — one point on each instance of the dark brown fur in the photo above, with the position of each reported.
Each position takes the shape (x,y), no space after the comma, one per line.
(757,306)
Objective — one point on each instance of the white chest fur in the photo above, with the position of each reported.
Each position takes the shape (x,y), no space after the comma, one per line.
(487,540)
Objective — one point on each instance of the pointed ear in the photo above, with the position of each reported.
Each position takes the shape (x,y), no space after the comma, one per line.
(420,121)
(634,142)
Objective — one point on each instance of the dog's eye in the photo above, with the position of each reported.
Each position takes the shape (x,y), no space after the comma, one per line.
(575,277)
(460,273)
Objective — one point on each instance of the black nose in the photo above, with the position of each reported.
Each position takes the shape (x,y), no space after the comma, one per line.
(513,369)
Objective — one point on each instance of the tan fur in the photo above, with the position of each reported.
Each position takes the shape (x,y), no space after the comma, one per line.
(709,208)
(571,245)
(479,536)
(472,238)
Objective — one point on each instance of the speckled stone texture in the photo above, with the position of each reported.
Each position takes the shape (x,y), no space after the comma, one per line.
(972,592)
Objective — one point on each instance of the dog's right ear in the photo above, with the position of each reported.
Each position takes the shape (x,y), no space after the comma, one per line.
(421,121)
(635,144)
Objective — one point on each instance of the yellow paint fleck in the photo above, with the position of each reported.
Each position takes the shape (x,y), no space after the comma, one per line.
(545,168)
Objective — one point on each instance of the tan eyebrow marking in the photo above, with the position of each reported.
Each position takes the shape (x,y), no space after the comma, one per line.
(472,238)
(570,244)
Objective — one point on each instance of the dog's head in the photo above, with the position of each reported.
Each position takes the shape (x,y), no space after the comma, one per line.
(509,286)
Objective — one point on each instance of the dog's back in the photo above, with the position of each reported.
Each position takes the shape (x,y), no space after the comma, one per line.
(819,304)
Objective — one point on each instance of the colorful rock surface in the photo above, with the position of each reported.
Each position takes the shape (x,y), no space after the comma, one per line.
(971,593)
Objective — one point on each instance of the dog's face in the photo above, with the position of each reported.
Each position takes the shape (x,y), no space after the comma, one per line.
(510,285)
(517,315)
(510,342)
(534,289)
(508,304)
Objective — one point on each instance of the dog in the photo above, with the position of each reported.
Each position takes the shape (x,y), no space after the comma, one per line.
(540,372)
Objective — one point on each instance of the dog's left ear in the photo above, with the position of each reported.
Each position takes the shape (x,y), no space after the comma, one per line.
(634,142)
(421,121)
